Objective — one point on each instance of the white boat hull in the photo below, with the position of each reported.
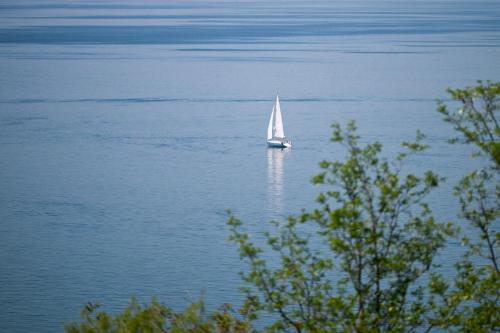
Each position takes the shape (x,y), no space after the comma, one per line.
(279,144)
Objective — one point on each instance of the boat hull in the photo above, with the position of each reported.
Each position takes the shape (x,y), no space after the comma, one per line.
(278,144)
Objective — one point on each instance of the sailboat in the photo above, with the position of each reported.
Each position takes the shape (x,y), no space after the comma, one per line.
(275,132)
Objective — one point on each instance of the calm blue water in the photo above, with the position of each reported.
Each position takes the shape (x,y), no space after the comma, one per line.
(127,128)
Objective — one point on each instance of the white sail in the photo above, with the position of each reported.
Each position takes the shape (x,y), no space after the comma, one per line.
(278,131)
(270,126)
(275,133)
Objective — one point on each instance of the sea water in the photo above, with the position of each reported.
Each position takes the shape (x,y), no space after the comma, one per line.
(127,128)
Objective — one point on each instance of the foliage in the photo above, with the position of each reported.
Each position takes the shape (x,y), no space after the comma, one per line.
(475,120)
(158,318)
(380,240)
(476,291)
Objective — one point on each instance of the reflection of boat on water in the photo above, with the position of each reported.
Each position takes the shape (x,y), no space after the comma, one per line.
(275,132)
(275,174)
